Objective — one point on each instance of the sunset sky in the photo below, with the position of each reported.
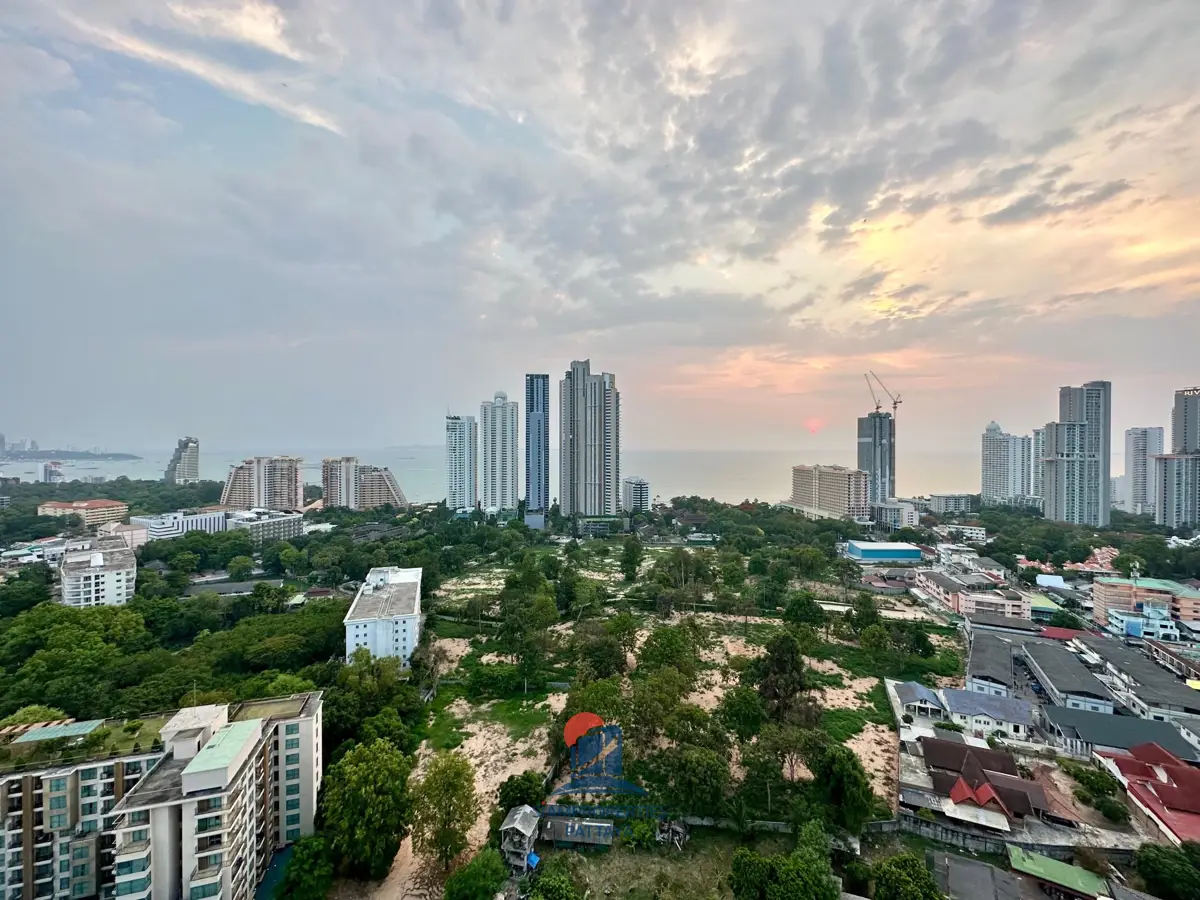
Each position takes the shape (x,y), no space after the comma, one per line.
(307,220)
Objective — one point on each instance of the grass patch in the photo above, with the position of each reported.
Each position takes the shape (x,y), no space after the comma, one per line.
(443,730)
(843,724)
(520,715)
(880,846)
(444,628)
(862,664)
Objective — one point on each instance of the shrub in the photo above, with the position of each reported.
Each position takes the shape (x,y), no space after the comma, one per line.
(133,727)
(1112,809)
(906,719)
(497,680)
(948,726)
(643,834)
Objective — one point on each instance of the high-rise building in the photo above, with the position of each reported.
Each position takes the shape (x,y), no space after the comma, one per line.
(1177,489)
(1004,466)
(590,442)
(339,481)
(51,472)
(3,446)
(184,467)
(385,617)
(462,442)
(537,443)
(498,452)
(377,487)
(265,482)
(830,492)
(1036,469)
(877,454)
(99,575)
(1185,421)
(1141,446)
(635,494)
(1078,462)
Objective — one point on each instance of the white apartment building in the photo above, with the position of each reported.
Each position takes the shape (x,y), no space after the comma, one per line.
(498,453)
(266,526)
(462,467)
(92,512)
(1004,466)
(1036,473)
(830,492)
(339,481)
(234,784)
(104,575)
(1077,474)
(894,515)
(131,535)
(184,467)
(265,482)
(635,494)
(942,504)
(347,482)
(170,525)
(385,617)
(1141,446)
(1177,489)
(589,442)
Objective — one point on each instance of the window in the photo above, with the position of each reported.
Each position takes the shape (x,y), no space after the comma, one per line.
(58,821)
(59,802)
(205,890)
(81,870)
(291,744)
(82,890)
(293,774)
(293,834)
(142,834)
(64,884)
(293,759)
(58,784)
(87,809)
(292,790)
(79,853)
(89,826)
(294,803)
(88,790)
(293,819)
(64,865)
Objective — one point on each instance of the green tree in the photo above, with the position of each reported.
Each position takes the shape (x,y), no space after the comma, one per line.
(386,726)
(444,807)
(848,574)
(624,627)
(904,877)
(803,609)
(846,787)
(555,882)
(309,872)
(366,808)
(526,789)
(865,613)
(240,567)
(631,557)
(1170,873)
(480,879)
(803,874)
(876,641)
(669,645)
(185,563)
(32,715)
(742,711)
(810,562)
(780,676)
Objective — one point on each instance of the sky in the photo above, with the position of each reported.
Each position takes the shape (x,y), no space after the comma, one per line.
(318,222)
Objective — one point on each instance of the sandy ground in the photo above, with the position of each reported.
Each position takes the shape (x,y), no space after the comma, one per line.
(908,614)
(455,649)
(877,747)
(950,681)
(847,697)
(489,659)
(942,641)
(464,585)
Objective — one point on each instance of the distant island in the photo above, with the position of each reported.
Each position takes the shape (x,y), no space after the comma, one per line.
(26,455)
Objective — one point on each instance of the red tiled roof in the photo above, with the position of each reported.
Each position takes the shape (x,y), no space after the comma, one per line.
(1163,784)
(1154,754)
(1061,634)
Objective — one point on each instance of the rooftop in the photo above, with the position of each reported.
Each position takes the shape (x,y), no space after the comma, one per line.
(989,621)
(275,708)
(225,746)
(1002,709)
(81,562)
(160,785)
(1064,670)
(886,545)
(229,588)
(945,582)
(1154,685)
(967,879)
(991,658)
(1051,871)
(83,504)
(388,592)
(1119,732)
(1155,584)
(66,730)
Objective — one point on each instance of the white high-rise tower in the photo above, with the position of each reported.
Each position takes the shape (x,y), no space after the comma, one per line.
(1141,446)
(1078,463)
(1004,466)
(461,463)
(498,452)
(590,442)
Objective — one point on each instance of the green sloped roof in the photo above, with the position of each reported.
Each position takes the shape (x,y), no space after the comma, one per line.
(1051,870)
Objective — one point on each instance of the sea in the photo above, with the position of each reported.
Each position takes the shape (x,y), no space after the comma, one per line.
(727,475)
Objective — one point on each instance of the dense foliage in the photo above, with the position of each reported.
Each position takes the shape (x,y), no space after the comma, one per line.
(145,498)
(367,808)
(444,807)
(309,872)
(479,879)
(803,874)
(1170,873)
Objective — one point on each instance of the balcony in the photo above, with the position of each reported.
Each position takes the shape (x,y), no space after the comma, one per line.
(206,806)
(210,844)
(202,874)
(133,849)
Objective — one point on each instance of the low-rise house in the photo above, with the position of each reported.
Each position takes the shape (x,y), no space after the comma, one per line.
(1066,680)
(1058,879)
(941,587)
(960,878)
(1010,604)
(984,714)
(1084,733)
(1163,790)
(978,778)
(517,835)
(919,701)
(990,666)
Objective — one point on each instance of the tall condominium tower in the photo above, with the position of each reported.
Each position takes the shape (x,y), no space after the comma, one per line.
(635,494)
(1037,451)
(590,442)
(498,449)
(265,482)
(339,481)
(184,467)
(537,443)
(462,466)
(1078,461)
(1141,446)
(877,454)
(1185,421)
(1004,466)
(1177,474)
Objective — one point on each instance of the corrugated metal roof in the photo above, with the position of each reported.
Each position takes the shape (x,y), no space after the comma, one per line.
(69,730)
(1003,709)
(1054,872)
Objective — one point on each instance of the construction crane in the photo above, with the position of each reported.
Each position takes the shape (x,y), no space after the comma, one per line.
(872,390)
(896,401)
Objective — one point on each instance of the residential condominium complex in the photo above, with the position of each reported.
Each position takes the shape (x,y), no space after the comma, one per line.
(537,443)
(461,463)
(943,504)
(1132,596)
(635,494)
(498,453)
(1185,421)
(1005,467)
(265,482)
(103,575)
(186,805)
(92,512)
(184,467)
(877,454)
(1141,446)
(1177,474)
(1077,467)
(348,483)
(590,442)
(1036,470)
(830,492)
(385,617)
(267,525)
(176,524)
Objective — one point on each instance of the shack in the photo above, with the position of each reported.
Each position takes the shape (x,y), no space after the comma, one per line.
(517,834)
(568,831)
